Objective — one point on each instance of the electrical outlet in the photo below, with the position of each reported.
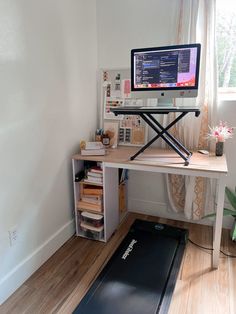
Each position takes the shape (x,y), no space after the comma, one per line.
(13,235)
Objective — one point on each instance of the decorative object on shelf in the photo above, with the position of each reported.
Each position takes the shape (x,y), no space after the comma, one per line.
(229,212)
(220,133)
(111,130)
(106,140)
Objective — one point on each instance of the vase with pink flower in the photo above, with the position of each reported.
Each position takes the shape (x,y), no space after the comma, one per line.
(220,133)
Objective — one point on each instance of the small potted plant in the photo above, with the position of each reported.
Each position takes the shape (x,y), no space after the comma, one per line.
(220,133)
(229,212)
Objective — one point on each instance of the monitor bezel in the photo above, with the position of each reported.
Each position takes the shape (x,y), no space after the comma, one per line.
(173,47)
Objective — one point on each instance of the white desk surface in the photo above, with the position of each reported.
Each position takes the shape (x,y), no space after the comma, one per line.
(167,160)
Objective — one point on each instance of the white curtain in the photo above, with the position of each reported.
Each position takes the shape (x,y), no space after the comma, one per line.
(196,24)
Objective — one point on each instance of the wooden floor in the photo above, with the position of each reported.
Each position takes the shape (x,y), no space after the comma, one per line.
(61,282)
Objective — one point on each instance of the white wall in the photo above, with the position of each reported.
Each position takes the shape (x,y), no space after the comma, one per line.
(127,24)
(48,52)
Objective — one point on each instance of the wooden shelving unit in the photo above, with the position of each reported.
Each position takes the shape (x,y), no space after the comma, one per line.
(109,194)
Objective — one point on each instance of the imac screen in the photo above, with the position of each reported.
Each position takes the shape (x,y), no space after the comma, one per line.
(165,68)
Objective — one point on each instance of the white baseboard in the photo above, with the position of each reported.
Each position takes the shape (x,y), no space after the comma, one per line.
(146,207)
(19,274)
(162,210)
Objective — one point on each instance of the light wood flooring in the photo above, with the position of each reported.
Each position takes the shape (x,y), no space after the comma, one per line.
(61,282)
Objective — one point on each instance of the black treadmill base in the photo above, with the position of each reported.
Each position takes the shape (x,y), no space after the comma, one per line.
(140,276)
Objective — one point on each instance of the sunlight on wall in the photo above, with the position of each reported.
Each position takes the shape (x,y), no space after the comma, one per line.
(11,46)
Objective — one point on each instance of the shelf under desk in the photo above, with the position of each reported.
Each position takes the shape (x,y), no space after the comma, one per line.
(168,161)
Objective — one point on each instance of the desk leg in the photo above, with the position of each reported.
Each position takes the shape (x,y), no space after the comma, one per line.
(218,221)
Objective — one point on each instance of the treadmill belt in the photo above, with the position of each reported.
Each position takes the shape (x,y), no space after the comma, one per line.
(141,275)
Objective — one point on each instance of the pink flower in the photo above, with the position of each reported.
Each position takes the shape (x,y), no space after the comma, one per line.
(221,132)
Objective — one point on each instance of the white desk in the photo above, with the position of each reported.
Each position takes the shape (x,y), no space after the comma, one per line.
(166,161)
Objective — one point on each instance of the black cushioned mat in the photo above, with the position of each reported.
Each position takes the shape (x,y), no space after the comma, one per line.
(141,275)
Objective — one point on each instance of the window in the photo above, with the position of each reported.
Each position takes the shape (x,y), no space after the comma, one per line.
(226,46)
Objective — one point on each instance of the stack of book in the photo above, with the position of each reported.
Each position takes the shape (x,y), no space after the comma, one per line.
(94,175)
(91,190)
(91,202)
(92,148)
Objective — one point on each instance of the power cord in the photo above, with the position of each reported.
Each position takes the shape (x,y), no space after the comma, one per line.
(211,249)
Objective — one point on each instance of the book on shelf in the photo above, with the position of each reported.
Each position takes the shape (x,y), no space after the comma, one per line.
(93,199)
(94,174)
(93,152)
(89,206)
(91,181)
(91,145)
(91,189)
(94,179)
(96,169)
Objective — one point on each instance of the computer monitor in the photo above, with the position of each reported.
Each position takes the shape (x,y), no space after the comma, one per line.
(165,72)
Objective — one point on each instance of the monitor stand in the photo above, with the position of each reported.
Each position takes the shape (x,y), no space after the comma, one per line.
(159,103)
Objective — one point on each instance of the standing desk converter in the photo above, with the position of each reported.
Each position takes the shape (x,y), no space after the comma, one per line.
(168,161)
(148,115)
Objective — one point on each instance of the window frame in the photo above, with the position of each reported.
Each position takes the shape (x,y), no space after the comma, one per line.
(228,93)
(224,93)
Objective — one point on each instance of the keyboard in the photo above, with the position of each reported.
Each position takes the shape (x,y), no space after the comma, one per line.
(159,107)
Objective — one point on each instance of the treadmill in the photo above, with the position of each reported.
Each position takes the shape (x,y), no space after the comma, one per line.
(140,276)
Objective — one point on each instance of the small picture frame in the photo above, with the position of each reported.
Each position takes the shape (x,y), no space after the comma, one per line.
(138,135)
